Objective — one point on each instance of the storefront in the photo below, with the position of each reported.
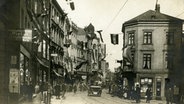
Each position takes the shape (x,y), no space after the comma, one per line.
(155,81)
(145,82)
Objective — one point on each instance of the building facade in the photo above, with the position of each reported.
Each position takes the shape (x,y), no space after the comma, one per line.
(151,52)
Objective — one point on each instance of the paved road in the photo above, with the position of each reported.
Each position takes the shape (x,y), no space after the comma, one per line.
(82,98)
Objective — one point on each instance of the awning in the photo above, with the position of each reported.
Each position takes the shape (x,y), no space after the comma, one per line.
(42,63)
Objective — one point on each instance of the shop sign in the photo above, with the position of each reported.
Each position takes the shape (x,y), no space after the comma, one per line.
(54,54)
(21,35)
(14,81)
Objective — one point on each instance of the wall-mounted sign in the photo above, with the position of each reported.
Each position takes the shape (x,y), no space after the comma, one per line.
(21,35)
(14,81)
(13,60)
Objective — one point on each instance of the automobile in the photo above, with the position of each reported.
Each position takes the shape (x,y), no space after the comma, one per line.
(95,90)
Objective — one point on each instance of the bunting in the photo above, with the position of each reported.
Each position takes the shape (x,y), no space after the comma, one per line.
(127,54)
(114,39)
(80,65)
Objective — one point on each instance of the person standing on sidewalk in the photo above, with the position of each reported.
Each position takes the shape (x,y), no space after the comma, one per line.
(169,92)
(44,91)
(63,90)
(138,94)
(75,88)
(37,88)
(30,91)
(148,94)
(57,91)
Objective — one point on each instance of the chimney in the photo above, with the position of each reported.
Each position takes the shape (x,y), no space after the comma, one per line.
(157,8)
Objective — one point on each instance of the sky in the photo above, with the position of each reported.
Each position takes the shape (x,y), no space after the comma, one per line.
(109,15)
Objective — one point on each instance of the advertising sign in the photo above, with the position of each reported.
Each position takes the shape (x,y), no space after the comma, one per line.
(14,81)
(21,35)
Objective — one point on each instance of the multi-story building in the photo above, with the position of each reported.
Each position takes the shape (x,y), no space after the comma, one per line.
(152,43)
(33,33)
(82,50)
(59,28)
(25,31)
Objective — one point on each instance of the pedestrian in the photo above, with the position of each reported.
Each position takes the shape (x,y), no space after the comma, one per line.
(176,94)
(110,87)
(57,91)
(148,95)
(37,88)
(63,90)
(44,91)
(138,94)
(75,88)
(30,91)
(169,92)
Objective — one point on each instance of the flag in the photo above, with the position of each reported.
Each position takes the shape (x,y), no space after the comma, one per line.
(100,35)
(72,5)
(80,65)
(114,39)
(127,54)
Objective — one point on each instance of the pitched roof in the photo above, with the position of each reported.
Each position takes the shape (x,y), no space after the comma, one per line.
(153,16)
(81,31)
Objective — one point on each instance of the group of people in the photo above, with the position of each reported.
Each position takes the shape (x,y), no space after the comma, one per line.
(27,90)
(58,89)
(127,93)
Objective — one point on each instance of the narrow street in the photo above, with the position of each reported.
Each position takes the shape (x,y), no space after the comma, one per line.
(82,98)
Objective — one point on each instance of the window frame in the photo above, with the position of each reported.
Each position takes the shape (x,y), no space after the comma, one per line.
(147,61)
(131,38)
(147,37)
(169,37)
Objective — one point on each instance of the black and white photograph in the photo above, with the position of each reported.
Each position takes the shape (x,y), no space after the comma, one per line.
(91,51)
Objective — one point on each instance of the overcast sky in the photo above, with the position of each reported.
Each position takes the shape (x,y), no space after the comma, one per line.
(103,14)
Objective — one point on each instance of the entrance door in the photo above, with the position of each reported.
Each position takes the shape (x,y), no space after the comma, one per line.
(158,89)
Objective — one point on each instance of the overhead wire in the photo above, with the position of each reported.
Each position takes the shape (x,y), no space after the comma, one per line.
(116,14)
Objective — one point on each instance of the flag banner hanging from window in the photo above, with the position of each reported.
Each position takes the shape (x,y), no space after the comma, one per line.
(115,39)
(127,54)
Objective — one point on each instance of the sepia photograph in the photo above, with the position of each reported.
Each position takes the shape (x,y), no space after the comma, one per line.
(91,51)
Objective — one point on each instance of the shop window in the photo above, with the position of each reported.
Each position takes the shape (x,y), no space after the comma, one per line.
(145,83)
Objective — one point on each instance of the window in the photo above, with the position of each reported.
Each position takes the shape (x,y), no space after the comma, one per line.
(170,38)
(168,61)
(146,61)
(132,56)
(131,38)
(147,37)
(44,48)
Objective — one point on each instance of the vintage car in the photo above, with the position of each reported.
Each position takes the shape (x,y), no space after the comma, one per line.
(95,90)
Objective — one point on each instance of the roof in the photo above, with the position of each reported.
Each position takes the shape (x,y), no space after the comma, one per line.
(151,16)
(81,31)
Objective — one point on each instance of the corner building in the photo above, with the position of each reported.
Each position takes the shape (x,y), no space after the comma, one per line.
(153,40)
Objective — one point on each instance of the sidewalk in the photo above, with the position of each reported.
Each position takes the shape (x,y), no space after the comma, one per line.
(36,100)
